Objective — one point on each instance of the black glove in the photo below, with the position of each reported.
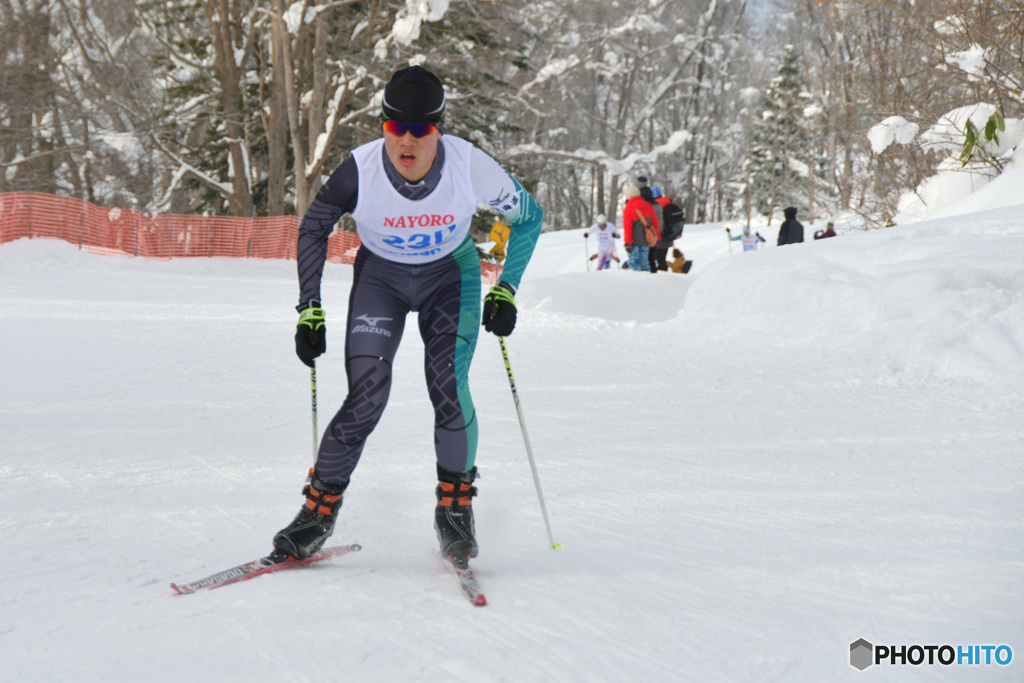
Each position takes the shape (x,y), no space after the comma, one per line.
(500,310)
(310,332)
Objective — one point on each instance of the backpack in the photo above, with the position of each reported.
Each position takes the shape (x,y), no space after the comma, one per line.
(673,221)
(642,228)
(643,234)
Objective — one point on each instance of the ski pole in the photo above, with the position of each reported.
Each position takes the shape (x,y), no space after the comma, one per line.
(316,434)
(586,250)
(526,440)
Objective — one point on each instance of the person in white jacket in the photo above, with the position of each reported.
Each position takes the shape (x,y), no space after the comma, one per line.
(750,240)
(606,236)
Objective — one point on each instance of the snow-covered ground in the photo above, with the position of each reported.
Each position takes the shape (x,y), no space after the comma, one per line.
(748,468)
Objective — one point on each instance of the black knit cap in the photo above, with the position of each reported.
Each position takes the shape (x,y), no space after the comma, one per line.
(414,95)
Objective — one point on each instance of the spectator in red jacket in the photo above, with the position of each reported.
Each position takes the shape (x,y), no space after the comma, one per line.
(637,216)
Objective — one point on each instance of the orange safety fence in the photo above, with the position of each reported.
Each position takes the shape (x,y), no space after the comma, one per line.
(163,236)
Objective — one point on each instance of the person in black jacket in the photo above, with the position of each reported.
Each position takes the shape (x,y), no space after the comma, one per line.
(791,231)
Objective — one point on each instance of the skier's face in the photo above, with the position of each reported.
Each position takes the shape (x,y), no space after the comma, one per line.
(411,156)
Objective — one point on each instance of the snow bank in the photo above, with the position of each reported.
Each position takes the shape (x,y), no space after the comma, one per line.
(616,296)
(942,297)
(953,180)
(955,191)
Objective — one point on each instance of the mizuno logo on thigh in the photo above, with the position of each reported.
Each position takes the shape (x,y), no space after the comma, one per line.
(371,326)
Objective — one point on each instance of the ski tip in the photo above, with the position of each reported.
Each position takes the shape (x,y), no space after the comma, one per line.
(556,546)
(177,591)
(480,601)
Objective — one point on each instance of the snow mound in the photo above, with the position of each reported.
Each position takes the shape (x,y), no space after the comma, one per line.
(618,296)
(940,296)
(957,190)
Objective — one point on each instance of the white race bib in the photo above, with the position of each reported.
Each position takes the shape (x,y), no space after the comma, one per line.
(414,231)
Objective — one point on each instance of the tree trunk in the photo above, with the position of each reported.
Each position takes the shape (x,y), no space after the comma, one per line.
(276,125)
(218,13)
(282,46)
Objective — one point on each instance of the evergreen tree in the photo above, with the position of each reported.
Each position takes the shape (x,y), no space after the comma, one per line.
(777,159)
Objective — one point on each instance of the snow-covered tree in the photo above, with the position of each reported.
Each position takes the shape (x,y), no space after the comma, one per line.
(918,61)
(65,63)
(780,143)
(30,145)
(244,106)
(618,90)
(262,98)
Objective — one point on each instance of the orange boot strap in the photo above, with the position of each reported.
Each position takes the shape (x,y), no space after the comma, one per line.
(447,495)
(321,503)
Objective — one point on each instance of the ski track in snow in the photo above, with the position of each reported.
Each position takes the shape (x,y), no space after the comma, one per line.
(824,443)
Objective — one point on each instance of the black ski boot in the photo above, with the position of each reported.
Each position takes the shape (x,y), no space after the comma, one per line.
(453,516)
(313,525)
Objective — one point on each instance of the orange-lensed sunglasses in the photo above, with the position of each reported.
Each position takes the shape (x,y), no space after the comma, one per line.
(418,130)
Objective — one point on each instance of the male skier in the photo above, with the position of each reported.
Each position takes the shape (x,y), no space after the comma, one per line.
(412,194)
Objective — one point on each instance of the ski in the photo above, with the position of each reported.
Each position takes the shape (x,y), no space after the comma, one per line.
(467,580)
(271,563)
